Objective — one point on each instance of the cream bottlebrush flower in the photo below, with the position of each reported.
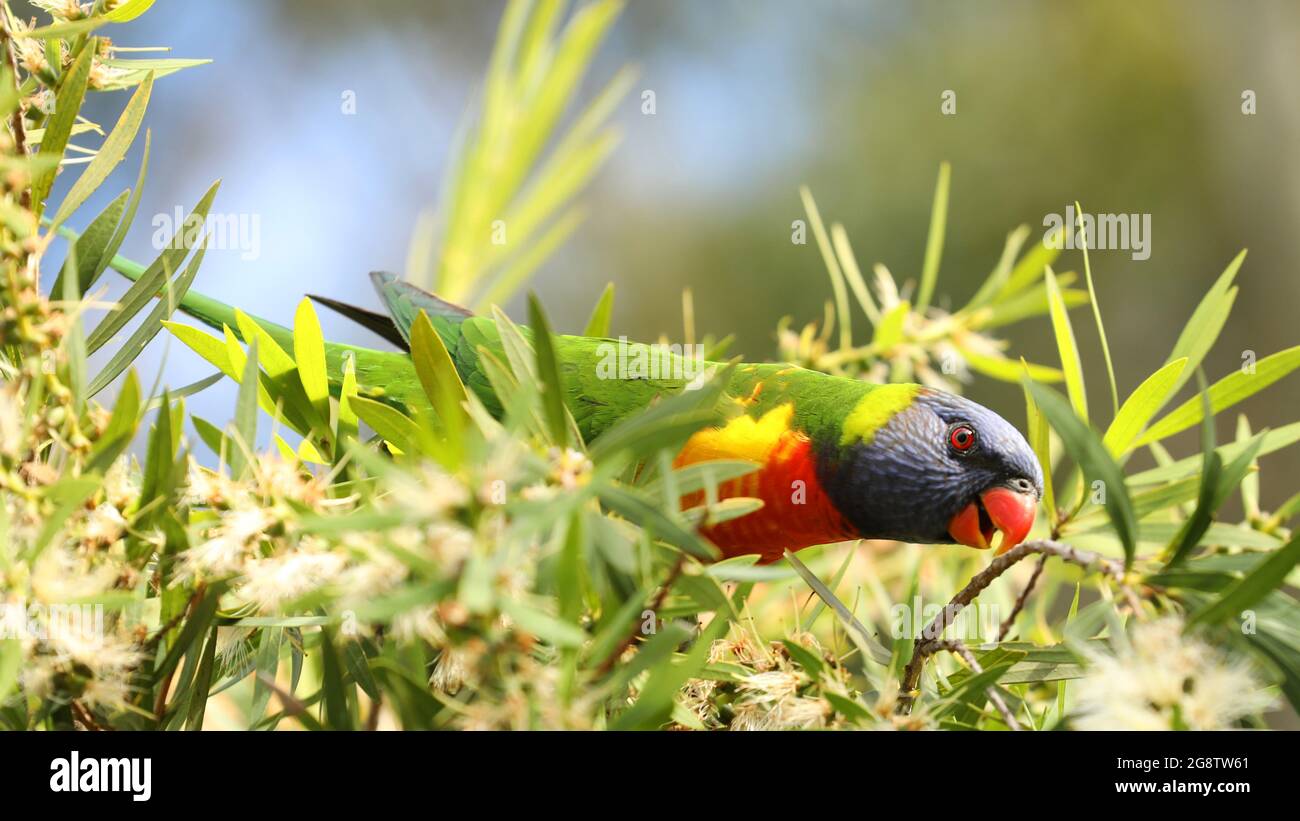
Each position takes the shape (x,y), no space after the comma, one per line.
(570,469)
(770,701)
(498,472)
(64,9)
(122,483)
(1166,680)
(62,575)
(31,51)
(451,543)
(539,492)
(428,492)
(234,647)
(102,76)
(102,652)
(108,691)
(372,571)
(272,582)
(274,477)
(452,669)
(209,488)
(221,555)
(104,525)
(419,623)
(103,663)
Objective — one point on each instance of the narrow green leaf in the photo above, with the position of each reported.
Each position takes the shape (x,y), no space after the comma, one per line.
(1029,269)
(212,436)
(654,703)
(859,634)
(1225,393)
(1009,370)
(67,102)
(274,360)
(1096,312)
(121,427)
(543,625)
(631,505)
(309,354)
(347,422)
(89,247)
(1250,478)
(1189,535)
(1140,406)
(1267,577)
(598,323)
(110,153)
(1207,321)
(268,663)
(390,423)
(1067,347)
(338,714)
(548,370)
(890,330)
(74,343)
(153,278)
(438,375)
(245,414)
(832,267)
(93,258)
(997,279)
(1085,448)
(205,345)
(519,353)
(971,687)
(1029,304)
(1040,439)
(198,692)
(173,294)
(934,241)
(852,273)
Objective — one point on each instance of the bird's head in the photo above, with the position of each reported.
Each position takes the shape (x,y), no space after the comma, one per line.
(935,469)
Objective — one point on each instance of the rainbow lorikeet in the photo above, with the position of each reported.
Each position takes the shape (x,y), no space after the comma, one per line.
(841,458)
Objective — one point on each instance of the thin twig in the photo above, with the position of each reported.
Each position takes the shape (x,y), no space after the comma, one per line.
(608,663)
(924,645)
(83,715)
(955,646)
(372,721)
(1022,598)
(19,127)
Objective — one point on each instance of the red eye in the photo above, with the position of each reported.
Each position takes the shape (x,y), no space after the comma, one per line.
(962,437)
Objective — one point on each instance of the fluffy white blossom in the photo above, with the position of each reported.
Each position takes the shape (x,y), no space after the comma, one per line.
(1164,679)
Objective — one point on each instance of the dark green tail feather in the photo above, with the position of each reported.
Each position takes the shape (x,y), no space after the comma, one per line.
(404,302)
(380,324)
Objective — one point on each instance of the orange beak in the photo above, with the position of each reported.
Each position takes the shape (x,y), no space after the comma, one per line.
(998,508)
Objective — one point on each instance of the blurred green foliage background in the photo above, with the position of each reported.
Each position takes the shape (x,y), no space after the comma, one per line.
(1129,108)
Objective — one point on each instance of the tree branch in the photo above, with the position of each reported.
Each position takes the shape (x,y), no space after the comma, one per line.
(1022,598)
(929,642)
(955,646)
